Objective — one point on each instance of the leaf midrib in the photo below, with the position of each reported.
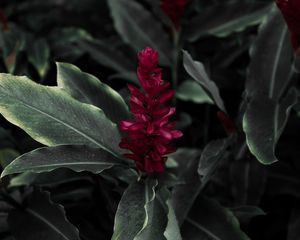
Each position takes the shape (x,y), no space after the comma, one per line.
(202,228)
(91,139)
(45,221)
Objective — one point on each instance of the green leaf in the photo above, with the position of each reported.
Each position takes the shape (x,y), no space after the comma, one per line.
(271,58)
(223,19)
(132,21)
(140,215)
(263,123)
(212,221)
(249,178)
(211,156)
(89,89)
(172,231)
(106,55)
(192,91)
(197,72)
(52,117)
(245,213)
(185,193)
(7,155)
(38,55)
(76,157)
(41,219)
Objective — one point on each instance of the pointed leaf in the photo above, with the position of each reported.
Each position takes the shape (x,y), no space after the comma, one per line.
(223,19)
(212,221)
(211,156)
(197,72)
(106,55)
(245,213)
(185,193)
(76,157)
(133,22)
(38,54)
(51,116)
(192,91)
(139,214)
(271,58)
(41,219)
(263,123)
(88,89)
(172,231)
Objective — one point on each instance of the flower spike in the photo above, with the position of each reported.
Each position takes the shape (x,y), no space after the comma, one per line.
(150,131)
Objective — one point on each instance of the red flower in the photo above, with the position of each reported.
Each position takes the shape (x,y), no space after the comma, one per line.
(150,130)
(174,10)
(290,10)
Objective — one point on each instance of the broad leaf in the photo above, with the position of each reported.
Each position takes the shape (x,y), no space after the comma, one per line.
(185,193)
(211,221)
(249,178)
(197,72)
(271,58)
(76,157)
(211,156)
(7,155)
(88,89)
(192,91)
(223,19)
(139,214)
(245,213)
(263,123)
(38,54)
(51,116)
(132,21)
(106,55)
(41,219)
(172,231)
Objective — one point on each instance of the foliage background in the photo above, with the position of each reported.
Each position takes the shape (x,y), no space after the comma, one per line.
(220,34)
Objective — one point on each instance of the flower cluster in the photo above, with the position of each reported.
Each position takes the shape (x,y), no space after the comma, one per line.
(174,10)
(290,10)
(150,130)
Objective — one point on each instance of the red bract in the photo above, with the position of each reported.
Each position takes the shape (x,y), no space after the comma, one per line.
(290,10)
(174,10)
(150,131)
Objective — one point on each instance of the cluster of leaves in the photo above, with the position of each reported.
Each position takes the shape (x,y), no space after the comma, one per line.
(63,174)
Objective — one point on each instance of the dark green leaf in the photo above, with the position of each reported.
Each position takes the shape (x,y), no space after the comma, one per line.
(133,22)
(197,72)
(76,157)
(38,54)
(185,193)
(213,222)
(245,213)
(263,123)
(249,178)
(211,156)
(271,58)
(51,116)
(106,55)
(41,219)
(88,89)
(192,91)
(139,214)
(7,155)
(225,18)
